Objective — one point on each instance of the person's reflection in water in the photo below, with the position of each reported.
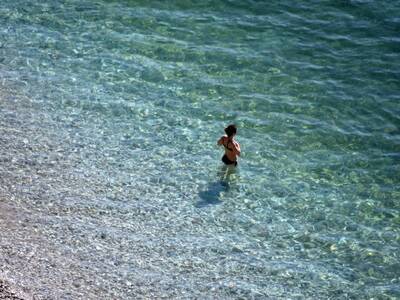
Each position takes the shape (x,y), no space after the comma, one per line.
(212,195)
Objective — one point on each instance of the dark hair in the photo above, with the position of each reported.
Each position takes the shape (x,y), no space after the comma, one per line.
(230,130)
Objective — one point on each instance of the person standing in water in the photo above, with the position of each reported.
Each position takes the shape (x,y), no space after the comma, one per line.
(232,147)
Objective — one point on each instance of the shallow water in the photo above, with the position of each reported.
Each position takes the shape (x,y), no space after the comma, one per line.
(110,180)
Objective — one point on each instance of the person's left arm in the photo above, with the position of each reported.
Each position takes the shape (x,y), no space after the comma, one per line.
(237,148)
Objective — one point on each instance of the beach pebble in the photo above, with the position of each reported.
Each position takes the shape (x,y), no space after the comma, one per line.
(237,249)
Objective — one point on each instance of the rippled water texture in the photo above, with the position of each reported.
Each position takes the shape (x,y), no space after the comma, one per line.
(111,185)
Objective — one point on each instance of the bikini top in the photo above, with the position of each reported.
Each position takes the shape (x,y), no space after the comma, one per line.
(226,146)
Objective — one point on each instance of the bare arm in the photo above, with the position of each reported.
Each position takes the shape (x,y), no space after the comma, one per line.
(236,147)
(221,141)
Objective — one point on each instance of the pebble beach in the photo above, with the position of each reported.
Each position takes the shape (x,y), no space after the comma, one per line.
(111,182)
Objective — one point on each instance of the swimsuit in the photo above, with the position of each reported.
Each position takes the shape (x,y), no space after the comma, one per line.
(225,158)
(227,146)
(227,161)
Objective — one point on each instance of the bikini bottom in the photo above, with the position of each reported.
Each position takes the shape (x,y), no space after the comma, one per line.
(227,161)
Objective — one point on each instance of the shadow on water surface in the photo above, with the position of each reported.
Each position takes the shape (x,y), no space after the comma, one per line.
(212,195)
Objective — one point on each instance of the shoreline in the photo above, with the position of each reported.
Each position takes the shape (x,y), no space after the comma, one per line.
(8,213)
(6,292)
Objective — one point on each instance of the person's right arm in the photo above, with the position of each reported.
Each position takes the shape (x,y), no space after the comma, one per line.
(237,148)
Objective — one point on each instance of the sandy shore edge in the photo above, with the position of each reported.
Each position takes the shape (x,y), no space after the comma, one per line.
(6,292)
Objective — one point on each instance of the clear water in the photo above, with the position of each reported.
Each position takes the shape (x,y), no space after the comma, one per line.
(111,185)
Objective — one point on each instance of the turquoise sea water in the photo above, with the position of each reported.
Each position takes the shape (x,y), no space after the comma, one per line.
(111,185)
